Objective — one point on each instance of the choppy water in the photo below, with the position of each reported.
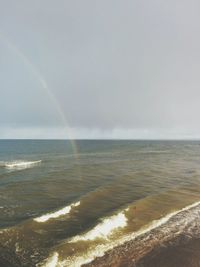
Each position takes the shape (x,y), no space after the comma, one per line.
(64,204)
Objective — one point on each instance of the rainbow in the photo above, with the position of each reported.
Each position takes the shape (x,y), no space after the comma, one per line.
(45,87)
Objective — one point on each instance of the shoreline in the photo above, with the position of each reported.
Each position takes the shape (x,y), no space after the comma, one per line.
(180,233)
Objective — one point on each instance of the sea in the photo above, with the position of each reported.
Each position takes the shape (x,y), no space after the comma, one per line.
(99,203)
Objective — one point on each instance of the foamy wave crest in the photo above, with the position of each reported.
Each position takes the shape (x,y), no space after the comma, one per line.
(51,261)
(100,250)
(57,213)
(21,164)
(103,229)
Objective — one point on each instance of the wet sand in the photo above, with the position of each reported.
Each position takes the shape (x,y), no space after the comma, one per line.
(8,259)
(182,255)
(180,252)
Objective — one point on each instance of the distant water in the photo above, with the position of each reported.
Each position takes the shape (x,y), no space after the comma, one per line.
(65,203)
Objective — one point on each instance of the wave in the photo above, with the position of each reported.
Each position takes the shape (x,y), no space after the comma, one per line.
(174,223)
(20,164)
(103,229)
(51,262)
(57,213)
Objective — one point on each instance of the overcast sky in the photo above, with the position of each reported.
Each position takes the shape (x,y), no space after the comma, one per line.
(99,69)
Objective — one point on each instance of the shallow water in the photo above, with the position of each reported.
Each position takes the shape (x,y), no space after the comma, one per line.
(64,203)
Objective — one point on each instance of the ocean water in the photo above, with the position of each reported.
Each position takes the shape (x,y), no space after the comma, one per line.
(66,203)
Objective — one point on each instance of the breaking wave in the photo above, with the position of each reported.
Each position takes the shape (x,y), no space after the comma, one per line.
(57,213)
(103,229)
(20,164)
(51,261)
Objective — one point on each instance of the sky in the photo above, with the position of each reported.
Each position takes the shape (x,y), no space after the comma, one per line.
(100,69)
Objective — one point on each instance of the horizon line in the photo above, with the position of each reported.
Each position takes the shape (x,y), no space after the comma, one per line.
(104,139)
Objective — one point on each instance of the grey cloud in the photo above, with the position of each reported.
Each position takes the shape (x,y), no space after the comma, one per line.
(109,65)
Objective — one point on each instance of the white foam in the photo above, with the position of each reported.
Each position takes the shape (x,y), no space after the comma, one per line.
(57,213)
(103,229)
(21,164)
(52,261)
(100,250)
